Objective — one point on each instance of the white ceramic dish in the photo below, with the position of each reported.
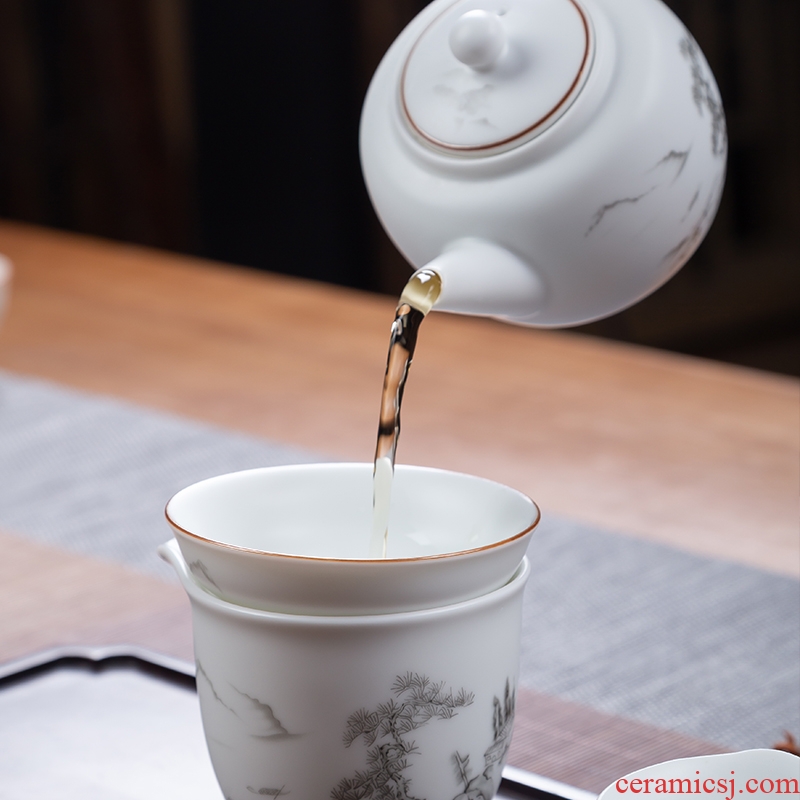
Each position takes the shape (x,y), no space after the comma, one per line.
(294,539)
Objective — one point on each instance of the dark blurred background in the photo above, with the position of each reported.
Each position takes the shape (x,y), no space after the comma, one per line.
(228,129)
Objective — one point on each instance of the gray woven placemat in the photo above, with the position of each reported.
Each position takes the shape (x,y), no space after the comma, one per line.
(696,645)
(93,474)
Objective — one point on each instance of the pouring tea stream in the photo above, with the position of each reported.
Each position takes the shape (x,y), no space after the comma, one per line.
(416,301)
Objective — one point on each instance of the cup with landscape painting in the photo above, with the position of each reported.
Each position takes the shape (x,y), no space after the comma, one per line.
(354,677)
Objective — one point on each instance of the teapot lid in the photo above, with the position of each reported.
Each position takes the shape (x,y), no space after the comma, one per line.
(487,75)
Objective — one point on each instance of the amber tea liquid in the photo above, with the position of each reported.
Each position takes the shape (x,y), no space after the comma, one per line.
(416,300)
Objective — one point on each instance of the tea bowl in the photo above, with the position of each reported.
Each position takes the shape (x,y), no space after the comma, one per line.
(295,539)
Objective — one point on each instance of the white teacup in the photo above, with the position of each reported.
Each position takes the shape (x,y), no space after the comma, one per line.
(420,703)
(295,539)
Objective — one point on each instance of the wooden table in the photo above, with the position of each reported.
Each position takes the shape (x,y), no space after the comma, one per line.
(696,454)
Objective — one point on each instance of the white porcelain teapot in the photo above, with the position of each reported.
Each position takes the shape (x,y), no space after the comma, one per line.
(553,160)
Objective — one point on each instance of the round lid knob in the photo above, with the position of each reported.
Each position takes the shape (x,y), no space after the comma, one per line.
(488,75)
(478,39)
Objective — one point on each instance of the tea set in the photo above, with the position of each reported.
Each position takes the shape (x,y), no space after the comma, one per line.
(373,672)
(553,161)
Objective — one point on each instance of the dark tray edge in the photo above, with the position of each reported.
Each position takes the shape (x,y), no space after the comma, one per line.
(175,670)
(172,669)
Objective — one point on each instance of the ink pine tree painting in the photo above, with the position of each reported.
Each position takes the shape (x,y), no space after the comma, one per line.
(386,731)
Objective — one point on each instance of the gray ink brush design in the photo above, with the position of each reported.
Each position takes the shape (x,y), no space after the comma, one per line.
(200,570)
(470,102)
(282,792)
(203,675)
(674,157)
(264,723)
(679,156)
(705,96)
(417,701)
(708,104)
(692,202)
(603,210)
(484,785)
(257,717)
(681,252)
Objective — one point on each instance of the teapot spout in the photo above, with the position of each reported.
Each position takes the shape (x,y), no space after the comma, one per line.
(481,278)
